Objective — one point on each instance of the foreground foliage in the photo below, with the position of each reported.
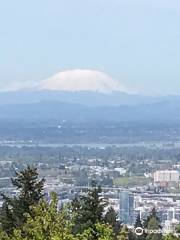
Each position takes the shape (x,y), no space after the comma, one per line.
(50,224)
(30,217)
(13,211)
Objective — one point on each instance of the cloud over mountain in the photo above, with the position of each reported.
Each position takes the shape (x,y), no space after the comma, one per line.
(82,80)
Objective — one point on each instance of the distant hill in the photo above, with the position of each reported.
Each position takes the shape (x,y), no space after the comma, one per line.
(88,98)
(85,106)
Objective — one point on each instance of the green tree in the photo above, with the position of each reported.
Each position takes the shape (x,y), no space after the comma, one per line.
(153,223)
(111,219)
(89,209)
(102,232)
(178,229)
(13,210)
(170,237)
(153,215)
(138,223)
(48,223)
(124,234)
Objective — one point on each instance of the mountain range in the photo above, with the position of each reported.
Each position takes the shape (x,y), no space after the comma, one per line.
(88,106)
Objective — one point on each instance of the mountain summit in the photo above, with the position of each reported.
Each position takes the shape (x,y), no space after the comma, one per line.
(82,80)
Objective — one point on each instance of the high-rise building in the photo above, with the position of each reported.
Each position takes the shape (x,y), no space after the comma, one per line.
(126,202)
(171,214)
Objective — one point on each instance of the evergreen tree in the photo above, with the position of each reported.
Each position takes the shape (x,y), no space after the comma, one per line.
(13,210)
(178,229)
(111,219)
(89,209)
(138,223)
(171,237)
(48,223)
(153,223)
(124,234)
(153,215)
(6,215)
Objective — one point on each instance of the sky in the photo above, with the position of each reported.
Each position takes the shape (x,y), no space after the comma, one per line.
(136,42)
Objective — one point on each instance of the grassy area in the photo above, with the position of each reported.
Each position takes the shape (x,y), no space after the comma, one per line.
(175,191)
(131,181)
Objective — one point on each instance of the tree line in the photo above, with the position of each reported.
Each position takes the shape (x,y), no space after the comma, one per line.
(30,216)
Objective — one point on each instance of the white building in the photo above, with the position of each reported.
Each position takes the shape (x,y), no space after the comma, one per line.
(166,176)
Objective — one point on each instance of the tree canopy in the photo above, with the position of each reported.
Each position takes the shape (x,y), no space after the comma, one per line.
(30,191)
(29,216)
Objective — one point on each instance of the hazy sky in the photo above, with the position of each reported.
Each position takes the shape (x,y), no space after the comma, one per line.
(135,41)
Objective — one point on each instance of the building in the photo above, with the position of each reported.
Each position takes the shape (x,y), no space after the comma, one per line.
(171,214)
(126,211)
(166,177)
